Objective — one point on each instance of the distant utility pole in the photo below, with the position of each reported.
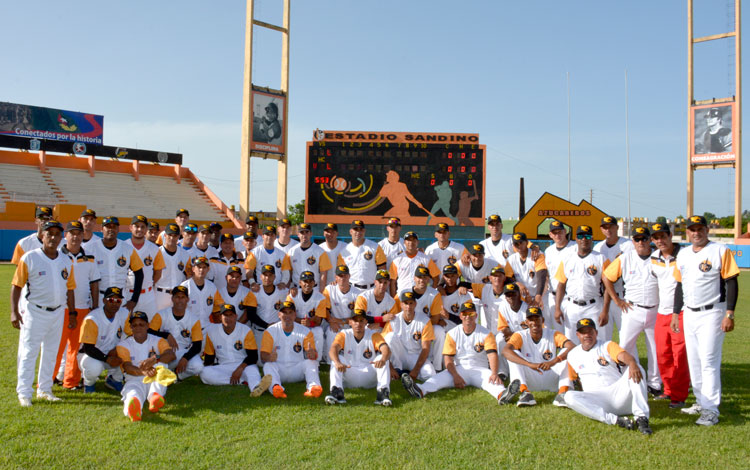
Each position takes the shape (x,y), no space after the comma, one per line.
(591,196)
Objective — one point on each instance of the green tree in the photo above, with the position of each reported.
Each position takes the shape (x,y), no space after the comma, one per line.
(296,212)
(709,216)
(661,220)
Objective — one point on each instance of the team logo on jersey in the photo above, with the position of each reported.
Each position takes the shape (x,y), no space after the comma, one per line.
(705,266)
(238,345)
(185,333)
(152,353)
(311,260)
(351,306)
(181,266)
(367,354)
(426,309)
(505,253)
(64,273)
(454,308)
(417,336)
(547,355)
(121,261)
(592,270)
(297,347)
(368,255)
(486,280)
(602,361)
(532,274)
(278,263)
(451,259)
(479,347)
(277,305)
(311,313)
(119,333)
(209,300)
(148,261)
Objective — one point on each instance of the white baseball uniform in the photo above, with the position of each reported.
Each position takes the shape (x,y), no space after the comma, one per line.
(583,291)
(498,250)
(290,365)
(553,256)
(404,266)
(333,256)
(515,321)
(185,330)
(622,245)
(363,262)
(220,264)
(201,299)
(375,309)
(553,379)
(130,350)
(313,258)
(474,275)
(104,335)
(152,261)
(310,306)
(114,265)
(444,256)
(526,272)
(430,303)
(285,248)
(391,250)
(230,350)
(277,258)
(489,302)
(405,340)
(359,356)
(176,265)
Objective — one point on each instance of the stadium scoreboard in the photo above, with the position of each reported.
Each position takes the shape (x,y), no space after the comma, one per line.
(422,178)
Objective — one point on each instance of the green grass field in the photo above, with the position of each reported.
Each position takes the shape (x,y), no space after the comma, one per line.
(222,427)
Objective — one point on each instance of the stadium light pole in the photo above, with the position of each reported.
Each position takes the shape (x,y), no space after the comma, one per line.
(627,149)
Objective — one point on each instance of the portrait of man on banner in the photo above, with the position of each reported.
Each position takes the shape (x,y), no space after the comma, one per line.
(268,122)
(713,129)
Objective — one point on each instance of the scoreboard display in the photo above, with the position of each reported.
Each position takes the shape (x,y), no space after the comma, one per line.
(422,178)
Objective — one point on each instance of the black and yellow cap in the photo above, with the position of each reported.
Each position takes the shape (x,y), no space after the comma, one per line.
(331,226)
(138,315)
(497,270)
(608,219)
(226,308)
(696,220)
(226,236)
(533,311)
(172,229)
(304,227)
(234,269)
(468,307)
(43,211)
(307,276)
(154,225)
(113,292)
(110,220)
(139,218)
(180,290)
(88,213)
(519,237)
(382,274)
(511,288)
(342,269)
(393,221)
(284,221)
(357,224)
(476,249)
(585,323)
(74,225)
(182,211)
(251,219)
(450,269)
(287,304)
(659,228)
(407,296)
(204,228)
(556,225)
(421,271)
(411,234)
(268,268)
(249,235)
(442,227)
(52,224)
(494,218)
(269,229)
(640,232)
(584,230)
(359,312)
(201,260)
(215,226)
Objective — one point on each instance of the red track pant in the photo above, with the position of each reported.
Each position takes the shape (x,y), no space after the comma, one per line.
(672,358)
(70,339)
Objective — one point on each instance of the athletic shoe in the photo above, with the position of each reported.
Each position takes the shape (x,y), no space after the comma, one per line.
(278,391)
(625,422)
(708,418)
(695,409)
(676,405)
(264,384)
(57,381)
(384,397)
(113,384)
(89,389)
(509,393)
(155,403)
(336,397)
(526,399)
(560,401)
(643,426)
(134,410)
(25,402)
(46,396)
(314,391)
(662,396)
(655,391)
(411,386)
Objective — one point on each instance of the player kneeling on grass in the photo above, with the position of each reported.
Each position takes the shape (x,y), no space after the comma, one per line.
(181,328)
(289,355)
(232,344)
(608,392)
(140,355)
(470,354)
(533,362)
(359,358)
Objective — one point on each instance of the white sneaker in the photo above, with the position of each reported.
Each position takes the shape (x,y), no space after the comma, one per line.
(695,409)
(708,418)
(49,396)
(24,401)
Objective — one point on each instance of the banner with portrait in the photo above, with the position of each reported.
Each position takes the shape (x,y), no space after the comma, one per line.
(713,127)
(268,121)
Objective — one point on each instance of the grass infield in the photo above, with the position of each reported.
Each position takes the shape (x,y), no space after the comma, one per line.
(221,427)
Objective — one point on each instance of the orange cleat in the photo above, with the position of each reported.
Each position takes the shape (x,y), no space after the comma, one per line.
(278,391)
(134,410)
(155,403)
(314,391)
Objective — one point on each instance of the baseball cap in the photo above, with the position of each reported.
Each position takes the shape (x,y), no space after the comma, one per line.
(287,304)
(640,232)
(268,229)
(268,268)
(180,289)
(533,311)
(497,270)
(224,236)
(511,288)
(421,271)
(696,220)
(153,225)
(227,308)
(519,237)
(139,218)
(215,226)
(407,295)
(442,227)
(43,211)
(468,307)
(713,112)
(251,219)
(608,219)
(249,235)
(138,315)
(52,224)
(191,227)
(584,323)
(584,230)
(659,228)
(110,220)
(393,221)
(88,213)
(233,269)
(307,276)
(304,226)
(450,269)
(411,235)
(182,211)
(284,221)
(204,228)
(272,106)
(359,312)
(494,218)
(74,225)
(200,260)
(556,225)
(331,226)
(476,249)
(382,274)
(113,292)
(173,229)
(358,224)
(342,269)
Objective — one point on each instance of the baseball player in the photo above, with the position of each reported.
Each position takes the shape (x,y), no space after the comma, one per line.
(452,296)
(176,266)
(403,266)
(214,235)
(511,318)
(640,303)
(340,298)
(88,220)
(141,354)
(249,241)
(285,242)
(227,257)
(530,274)
(306,256)
(360,359)
(410,336)
(289,355)
(86,298)
(470,359)
(268,253)
(102,329)
(269,298)
(444,251)
(393,244)
(560,248)
(379,306)
(706,275)
(232,344)
(34,240)
(114,258)
(50,283)
(499,245)
(579,280)
(477,270)
(153,232)
(430,302)
(534,362)
(332,246)
(363,257)
(236,294)
(611,247)
(181,219)
(182,328)
(671,354)
(311,306)
(611,379)
(153,264)
(189,234)
(251,226)
(201,291)
(490,297)
(201,246)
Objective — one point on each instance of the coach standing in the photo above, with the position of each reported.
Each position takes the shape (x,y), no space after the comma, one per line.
(706,275)
(48,275)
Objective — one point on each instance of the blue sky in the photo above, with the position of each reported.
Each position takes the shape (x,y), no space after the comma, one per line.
(168,76)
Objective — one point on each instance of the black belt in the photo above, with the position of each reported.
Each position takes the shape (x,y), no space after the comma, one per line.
(642,306)
(582,303)
(49,309)
(552,292)
(163,289)
(705,307)
(363,286)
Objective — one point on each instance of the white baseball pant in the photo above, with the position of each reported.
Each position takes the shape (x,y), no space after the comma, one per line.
(40,330)
(362,376)
(194,367)
(135,388)
(548,312)
(400,359)
(474,377)
(92,368)
(436,350)
(146,302)
(548,380)
(281,372)
(633,322)
(574,312)
(162,299)
(502,363)
(704,340)
(615,318)
(623,397)
(221,374)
